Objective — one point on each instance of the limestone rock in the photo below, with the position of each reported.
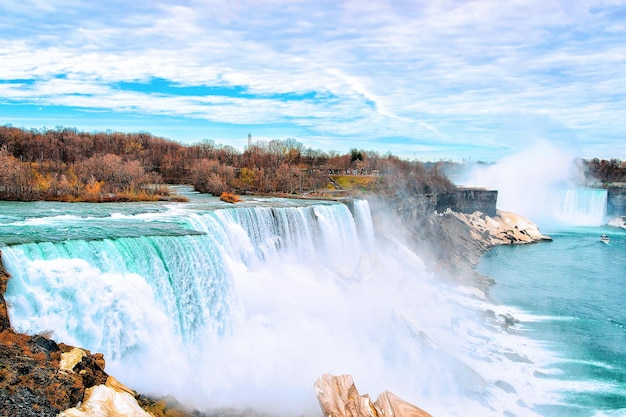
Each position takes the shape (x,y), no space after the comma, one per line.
(110,399)
(39,377)
(70,359)
(338,397)
(390,405)
(31,384)
(170,407)
(504,229)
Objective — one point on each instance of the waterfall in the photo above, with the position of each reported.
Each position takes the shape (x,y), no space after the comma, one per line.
(578,206)
(247,305)
(110,287)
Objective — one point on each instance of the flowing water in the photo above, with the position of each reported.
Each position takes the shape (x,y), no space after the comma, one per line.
(569,295)
(246,305)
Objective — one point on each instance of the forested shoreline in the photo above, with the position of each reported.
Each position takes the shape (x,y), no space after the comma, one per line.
(64,164)
(611,171)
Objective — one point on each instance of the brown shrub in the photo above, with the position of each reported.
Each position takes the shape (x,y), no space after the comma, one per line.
(229,197)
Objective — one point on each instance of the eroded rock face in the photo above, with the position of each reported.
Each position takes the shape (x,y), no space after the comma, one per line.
(339,397)
(31,380)
(503,229)
(109,399)
(4,315)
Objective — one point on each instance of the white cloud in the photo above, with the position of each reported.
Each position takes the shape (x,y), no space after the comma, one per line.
(450,71)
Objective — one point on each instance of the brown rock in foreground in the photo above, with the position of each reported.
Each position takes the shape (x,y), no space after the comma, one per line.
(339,397)
(4,315)
(32,382)
(40,378)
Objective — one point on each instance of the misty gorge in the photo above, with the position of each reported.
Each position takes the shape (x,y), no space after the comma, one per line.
(245,306)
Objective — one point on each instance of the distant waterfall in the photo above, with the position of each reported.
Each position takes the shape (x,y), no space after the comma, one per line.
(578,206)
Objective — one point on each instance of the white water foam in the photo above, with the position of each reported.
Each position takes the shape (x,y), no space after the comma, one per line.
(250,314)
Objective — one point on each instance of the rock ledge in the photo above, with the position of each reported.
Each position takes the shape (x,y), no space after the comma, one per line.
(339,397)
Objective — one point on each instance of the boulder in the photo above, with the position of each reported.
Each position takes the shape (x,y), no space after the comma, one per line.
(109,399)
(338,397)
(31,381)
(503,229)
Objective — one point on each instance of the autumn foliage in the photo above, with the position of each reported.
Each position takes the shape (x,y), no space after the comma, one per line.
(229,197)
(68,165)
(605,171)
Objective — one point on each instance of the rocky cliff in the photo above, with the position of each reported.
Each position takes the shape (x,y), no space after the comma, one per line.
(468,200)
(4,315)
(461,200)
(616,201)
(452,242)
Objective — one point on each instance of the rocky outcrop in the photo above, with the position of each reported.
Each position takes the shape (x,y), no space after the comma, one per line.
(451,243)
(504,228)
(33,381)
(616,201)
(109,399)
(4,314)
(338,397)
(468,200)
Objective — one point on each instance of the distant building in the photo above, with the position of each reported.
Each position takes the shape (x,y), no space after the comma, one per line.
(249,140)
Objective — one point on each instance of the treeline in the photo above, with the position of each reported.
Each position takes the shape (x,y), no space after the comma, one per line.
(68,165)
(605,171)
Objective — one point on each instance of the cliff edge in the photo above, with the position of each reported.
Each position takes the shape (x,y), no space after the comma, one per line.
(451,243)
(4,314)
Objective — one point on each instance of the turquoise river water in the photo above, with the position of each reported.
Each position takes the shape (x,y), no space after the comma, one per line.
(570,296)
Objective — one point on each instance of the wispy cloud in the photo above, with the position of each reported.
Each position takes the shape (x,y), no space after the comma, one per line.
(448,79)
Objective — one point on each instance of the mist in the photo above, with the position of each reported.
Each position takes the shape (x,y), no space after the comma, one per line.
(542,183)
(323,293)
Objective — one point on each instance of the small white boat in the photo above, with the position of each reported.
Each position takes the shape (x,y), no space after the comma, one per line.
(604,238)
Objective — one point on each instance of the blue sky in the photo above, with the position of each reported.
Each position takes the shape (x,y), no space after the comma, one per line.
(430,80)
